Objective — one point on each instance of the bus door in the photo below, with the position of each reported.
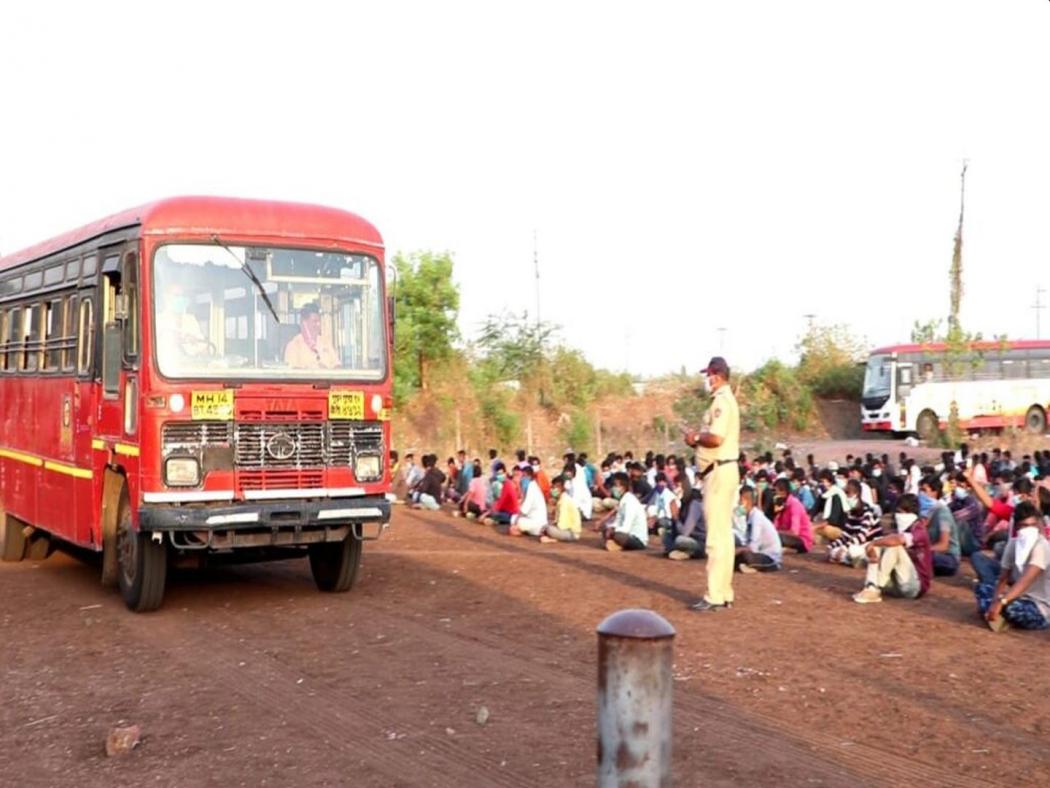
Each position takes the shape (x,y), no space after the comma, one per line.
(904,382)
(118,394)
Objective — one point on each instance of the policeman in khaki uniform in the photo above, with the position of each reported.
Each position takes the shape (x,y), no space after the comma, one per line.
(718,447)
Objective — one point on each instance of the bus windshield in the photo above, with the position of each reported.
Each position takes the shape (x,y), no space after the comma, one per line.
(877,376)
(237,312)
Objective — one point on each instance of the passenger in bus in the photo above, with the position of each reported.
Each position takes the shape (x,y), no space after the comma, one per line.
(179,333)
(309,349)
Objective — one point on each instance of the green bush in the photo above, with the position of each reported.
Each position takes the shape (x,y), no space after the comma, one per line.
(577,432)
(773,396)
(841,381)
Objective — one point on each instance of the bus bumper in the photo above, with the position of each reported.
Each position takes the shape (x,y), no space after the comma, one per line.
(269,524)
(877,426)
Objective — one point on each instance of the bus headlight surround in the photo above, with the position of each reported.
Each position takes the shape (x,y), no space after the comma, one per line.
(182,472)
(367,469)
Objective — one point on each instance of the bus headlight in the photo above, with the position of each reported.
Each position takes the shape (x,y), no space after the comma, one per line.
(366,469)
(182,472)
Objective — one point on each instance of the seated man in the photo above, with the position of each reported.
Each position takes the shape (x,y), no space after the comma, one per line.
(629,529)
(532,518)
(899,564)
(832,504)
(567,516)
(1016,590)
(792,521)
(761,551)
(578,489)
(474,501)
(309,349)
(862,525)
(941,526)
(431,485)
(179,333)
(508,505)
(688,539)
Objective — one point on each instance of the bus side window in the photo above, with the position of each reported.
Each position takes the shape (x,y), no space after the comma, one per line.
(129,288)
(32,333)
(86,337)
(53,333)
(69,333)
(13,339)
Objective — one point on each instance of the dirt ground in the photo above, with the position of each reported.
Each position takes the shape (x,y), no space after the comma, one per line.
(248,676)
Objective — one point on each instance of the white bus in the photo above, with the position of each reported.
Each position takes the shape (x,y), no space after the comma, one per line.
(910,388)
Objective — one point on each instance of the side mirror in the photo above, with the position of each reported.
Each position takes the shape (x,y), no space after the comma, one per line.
(121,308)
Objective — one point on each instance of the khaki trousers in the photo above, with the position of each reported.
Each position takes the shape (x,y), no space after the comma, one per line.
(721,490)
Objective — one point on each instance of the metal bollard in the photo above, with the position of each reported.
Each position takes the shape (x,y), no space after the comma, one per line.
(635,654)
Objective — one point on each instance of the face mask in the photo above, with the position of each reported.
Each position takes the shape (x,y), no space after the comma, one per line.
(660,486)
(762,486)
(501,477)
(740,511)
(960,494)
(840,483)
(536,468)
(904,520)
(555,492)
(876,472)
(617,493)
(707,385)
(179,303)
(926,503)
(852,502)
(1016,499)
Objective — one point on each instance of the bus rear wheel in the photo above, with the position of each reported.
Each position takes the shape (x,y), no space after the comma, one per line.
(1035,420)
(142,563)
(334,564)
(927,425)
(12,538)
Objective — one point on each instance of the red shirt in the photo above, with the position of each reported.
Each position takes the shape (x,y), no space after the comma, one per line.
(509,498)
(921,554)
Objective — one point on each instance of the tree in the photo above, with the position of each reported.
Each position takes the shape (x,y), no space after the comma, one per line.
(426,307)
(829,361)
(516,345)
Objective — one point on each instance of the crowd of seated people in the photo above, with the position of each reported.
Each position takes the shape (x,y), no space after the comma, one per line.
(902,523)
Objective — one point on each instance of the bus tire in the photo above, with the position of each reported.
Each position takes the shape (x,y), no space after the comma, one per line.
(334,564)
(38,546)
(927,425)
(1035,421)
(12,538)
(143,563)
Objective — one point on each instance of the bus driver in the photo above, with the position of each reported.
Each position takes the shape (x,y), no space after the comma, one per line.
(308,349)
(179,333)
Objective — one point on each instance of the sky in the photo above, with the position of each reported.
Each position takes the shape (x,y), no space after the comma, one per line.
(685,167)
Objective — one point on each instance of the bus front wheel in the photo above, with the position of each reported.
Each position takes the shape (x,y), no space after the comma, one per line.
(1035,420)
(926,425)
(335,564)
(142,563)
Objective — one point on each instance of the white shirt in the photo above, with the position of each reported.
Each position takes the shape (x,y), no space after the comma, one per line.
(631,519)
(764,537)
(582,495)
(533,507)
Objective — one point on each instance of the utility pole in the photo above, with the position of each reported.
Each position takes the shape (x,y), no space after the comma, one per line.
(722,340)
(1038,306)
(536,267)
(809,320)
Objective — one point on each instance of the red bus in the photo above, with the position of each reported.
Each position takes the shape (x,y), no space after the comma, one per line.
(197,380)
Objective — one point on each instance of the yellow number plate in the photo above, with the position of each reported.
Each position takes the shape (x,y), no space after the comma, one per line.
(346,405)
(213,405)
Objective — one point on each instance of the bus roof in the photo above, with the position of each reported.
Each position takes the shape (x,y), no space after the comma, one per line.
(939,347)
(219,215)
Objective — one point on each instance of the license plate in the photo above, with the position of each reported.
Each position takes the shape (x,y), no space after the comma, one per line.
(212,405)
(346,405)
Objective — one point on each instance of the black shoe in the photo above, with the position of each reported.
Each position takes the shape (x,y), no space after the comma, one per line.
(703,606)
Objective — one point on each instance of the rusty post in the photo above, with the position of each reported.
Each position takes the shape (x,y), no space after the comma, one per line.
(635,654)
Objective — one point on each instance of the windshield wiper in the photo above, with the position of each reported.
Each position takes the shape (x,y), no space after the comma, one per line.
(250,274)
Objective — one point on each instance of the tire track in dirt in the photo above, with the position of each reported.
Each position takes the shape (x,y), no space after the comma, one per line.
(265,681)
(719,720)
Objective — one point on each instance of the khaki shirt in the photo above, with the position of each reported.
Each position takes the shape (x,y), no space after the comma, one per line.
(722,419)
(298,354)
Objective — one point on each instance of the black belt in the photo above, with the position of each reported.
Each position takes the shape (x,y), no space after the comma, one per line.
(714,465)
